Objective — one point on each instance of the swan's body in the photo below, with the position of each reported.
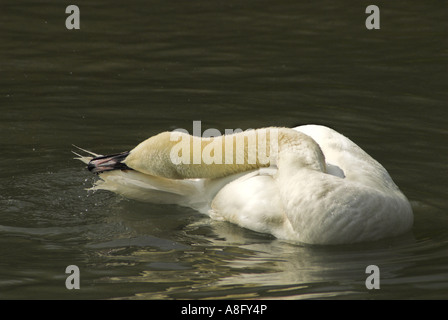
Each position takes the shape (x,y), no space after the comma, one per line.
(318,187)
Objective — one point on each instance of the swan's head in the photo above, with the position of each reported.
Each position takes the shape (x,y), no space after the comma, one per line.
(152,157)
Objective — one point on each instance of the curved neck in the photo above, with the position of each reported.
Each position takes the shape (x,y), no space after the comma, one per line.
(178,155)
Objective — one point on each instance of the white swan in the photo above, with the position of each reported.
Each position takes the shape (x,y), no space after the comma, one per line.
(318,187)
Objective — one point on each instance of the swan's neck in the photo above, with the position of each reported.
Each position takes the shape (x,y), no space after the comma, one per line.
(178,155)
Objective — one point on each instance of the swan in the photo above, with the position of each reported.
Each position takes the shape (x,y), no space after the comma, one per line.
(314,185)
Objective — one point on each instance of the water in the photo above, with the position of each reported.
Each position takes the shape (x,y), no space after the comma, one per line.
(143,67)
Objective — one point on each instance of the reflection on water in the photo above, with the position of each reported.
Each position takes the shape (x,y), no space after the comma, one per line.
(134,71)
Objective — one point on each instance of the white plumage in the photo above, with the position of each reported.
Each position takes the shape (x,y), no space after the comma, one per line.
(323,189)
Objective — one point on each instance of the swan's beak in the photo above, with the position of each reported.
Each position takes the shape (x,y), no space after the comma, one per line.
(108,163)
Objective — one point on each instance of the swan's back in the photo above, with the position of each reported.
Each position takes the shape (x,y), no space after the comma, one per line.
(343,153)
(355,201)
(365,205)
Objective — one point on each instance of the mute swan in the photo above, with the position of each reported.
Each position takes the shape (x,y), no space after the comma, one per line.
(317,187)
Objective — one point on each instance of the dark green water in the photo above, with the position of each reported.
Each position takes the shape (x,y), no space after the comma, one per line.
(141,67)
